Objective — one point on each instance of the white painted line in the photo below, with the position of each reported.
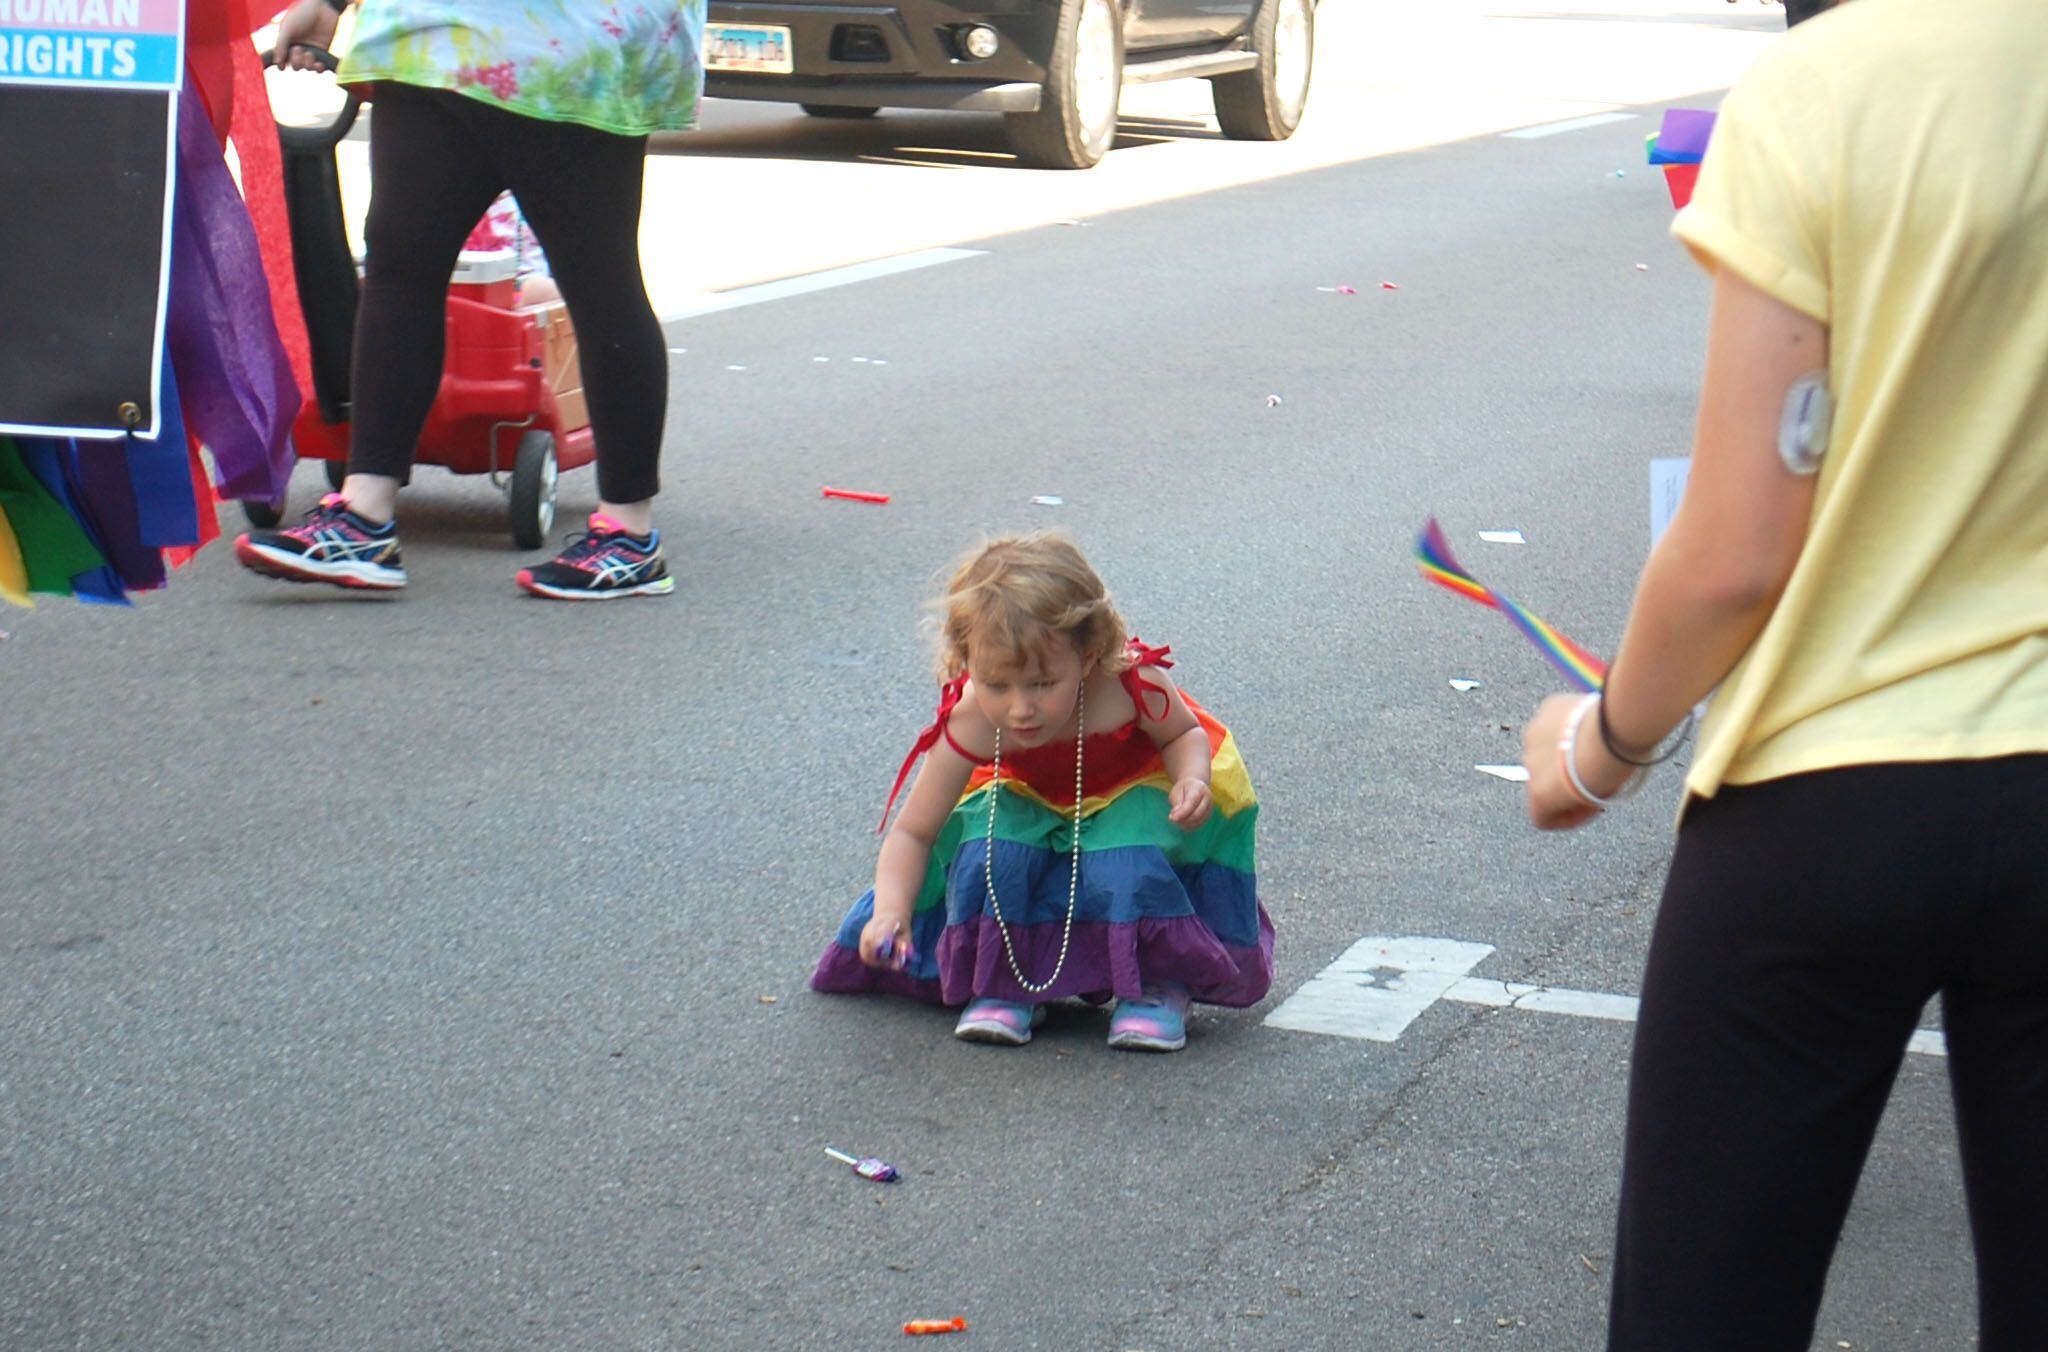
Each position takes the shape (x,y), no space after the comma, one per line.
(1381,985)
(1378,987)
(1928,1042)
(1513,774)
(1547,999)
(1572,124)
(819,281)
(1503,537)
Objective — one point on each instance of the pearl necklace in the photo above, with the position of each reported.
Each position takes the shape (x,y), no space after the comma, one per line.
(988,873)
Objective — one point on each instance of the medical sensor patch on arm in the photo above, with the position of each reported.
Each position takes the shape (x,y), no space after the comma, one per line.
(1804,424)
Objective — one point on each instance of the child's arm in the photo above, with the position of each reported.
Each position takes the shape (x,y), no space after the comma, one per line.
(907,850)
(1184,747)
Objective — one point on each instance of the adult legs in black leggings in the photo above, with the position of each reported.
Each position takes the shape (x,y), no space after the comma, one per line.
(1804,924)
(437,159)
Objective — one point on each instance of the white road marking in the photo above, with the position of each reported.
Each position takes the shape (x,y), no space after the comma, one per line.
(818,281)
(1378,987)
(1382,984)
(1547,999)
(1514,774)
(1571,124)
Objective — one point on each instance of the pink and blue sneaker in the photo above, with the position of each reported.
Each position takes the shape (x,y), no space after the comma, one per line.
(604,563)
(1155,1022)
(1002,1022)
(332,544)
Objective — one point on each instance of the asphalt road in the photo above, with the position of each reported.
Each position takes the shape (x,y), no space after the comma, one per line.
(429,971)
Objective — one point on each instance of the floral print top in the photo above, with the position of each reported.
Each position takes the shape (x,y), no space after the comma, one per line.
(625,66)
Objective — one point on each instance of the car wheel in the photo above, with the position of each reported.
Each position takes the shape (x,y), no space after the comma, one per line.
(531,512)
(1076,118)
(1266,102)
(836,110)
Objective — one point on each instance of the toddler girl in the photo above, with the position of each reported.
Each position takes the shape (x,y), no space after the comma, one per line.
(1080,826)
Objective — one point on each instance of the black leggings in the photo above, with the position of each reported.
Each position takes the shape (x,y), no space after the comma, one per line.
(437,160)
(1805,923)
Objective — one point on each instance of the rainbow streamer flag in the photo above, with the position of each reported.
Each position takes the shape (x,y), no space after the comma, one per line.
(1679,145)
(1433,556)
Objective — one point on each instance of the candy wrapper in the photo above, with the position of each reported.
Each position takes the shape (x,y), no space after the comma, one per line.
(874,1170)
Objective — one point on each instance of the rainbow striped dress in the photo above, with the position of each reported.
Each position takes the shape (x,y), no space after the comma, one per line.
(1155,903)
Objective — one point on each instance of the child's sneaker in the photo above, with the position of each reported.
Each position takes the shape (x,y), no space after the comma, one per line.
(332,544)
(1003,1022)
(1155,1022)
(602,564)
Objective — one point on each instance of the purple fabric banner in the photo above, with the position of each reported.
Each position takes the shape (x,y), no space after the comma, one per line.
(234,380)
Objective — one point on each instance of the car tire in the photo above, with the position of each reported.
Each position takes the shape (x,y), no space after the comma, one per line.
(836,110)
(1266,102)
(1076,119)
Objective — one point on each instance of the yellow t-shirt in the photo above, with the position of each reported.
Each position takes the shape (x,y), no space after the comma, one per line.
(1884,169)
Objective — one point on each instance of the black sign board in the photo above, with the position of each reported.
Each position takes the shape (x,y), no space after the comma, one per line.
(85,181)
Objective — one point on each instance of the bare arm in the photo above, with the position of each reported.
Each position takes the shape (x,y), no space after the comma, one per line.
(1715,577)
(1184,748)
(907,849)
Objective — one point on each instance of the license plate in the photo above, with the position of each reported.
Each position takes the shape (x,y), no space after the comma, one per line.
(760,48)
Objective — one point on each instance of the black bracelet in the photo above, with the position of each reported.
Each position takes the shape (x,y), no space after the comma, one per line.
(1607,738)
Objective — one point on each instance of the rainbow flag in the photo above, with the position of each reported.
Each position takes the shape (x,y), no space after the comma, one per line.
(1679,145)
(1434,558)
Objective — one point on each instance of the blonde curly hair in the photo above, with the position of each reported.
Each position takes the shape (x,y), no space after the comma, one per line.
(1010,597)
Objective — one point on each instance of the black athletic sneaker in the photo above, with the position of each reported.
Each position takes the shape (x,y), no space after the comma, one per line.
(331,545)
(602,564)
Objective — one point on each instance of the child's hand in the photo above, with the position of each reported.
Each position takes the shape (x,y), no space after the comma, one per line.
(885,942)
(1188,805)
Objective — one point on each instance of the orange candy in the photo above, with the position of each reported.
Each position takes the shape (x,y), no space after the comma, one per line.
(954,1325)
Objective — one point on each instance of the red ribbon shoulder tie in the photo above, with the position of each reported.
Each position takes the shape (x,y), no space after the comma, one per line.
(1143,654)
(949,699)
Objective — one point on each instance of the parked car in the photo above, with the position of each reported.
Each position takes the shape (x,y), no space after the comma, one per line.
(1054,68)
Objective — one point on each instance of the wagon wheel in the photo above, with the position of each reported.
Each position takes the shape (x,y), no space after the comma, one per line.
(534,474)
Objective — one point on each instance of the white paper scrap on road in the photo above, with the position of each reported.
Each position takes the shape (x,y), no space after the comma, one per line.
(1514,774)
(1378,987)
(1668,474)
(1461,684)
(1502,537)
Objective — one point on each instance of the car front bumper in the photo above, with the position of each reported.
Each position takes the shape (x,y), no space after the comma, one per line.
(919,65)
